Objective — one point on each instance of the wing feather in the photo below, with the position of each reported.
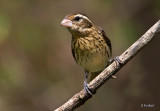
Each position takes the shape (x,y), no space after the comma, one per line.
(107,40)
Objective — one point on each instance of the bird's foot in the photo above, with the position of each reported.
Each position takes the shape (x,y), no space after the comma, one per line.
(117,60)
(87,89)
(118,63)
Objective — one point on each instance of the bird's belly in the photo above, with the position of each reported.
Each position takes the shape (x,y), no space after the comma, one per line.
(94,62)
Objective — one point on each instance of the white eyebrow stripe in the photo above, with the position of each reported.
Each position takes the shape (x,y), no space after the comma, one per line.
(79,15)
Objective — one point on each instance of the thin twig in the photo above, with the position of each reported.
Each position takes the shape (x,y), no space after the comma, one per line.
(81,97)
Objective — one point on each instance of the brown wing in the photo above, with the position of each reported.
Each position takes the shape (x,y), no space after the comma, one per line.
(107,40)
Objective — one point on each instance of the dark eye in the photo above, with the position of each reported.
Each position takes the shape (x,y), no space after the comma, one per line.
(77,18)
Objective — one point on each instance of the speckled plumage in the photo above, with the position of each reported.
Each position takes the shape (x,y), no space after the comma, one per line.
(91,48)
(91,51)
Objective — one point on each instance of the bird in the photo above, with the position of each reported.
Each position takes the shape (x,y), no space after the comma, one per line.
(90,46)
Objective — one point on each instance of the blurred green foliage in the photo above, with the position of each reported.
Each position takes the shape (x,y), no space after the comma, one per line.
(37,70)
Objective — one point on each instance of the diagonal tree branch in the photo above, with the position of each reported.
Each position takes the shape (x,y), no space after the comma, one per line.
(81,97)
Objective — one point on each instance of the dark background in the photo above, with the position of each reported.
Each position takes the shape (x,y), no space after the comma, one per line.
(37,70)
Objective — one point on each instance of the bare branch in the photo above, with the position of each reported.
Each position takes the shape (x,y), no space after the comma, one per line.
(81,97)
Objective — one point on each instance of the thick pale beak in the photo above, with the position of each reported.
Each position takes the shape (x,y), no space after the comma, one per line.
(66,23)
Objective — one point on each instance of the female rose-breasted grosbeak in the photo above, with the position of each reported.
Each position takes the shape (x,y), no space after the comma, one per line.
(91,48)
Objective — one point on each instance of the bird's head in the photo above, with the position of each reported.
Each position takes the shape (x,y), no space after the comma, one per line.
(77,24)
